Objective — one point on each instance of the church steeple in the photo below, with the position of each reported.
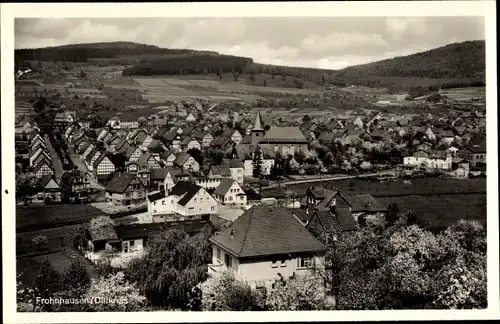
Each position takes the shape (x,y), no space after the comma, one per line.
(257,126)
(257,130)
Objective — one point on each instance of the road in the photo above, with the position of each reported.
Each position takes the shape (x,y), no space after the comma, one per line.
(77,160)
(338,177)
(56,162)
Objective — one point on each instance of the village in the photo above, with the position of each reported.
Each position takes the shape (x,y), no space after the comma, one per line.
(197,181)
(172,168)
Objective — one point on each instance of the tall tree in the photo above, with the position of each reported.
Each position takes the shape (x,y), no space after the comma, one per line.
(257,161)
(173,266)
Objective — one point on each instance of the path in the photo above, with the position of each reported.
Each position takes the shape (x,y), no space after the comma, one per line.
(56,162)
(77,160)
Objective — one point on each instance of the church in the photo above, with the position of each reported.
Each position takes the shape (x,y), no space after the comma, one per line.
(285,140)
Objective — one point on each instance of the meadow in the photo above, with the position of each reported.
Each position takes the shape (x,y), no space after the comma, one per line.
(36,218)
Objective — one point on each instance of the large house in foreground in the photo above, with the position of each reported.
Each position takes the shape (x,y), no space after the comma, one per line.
(265,244)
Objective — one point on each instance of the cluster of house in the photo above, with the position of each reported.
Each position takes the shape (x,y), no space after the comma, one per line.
(424,152)
(271,242)
(31,149)
(265,243)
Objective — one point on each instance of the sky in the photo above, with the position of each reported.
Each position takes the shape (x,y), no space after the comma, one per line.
(327,43)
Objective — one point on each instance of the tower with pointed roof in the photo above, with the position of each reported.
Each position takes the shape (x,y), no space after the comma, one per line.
(257,130)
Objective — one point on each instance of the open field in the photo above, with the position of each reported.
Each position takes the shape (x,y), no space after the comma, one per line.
(54,235)
(422,186)
(34,218)
(461,94)
(442,210)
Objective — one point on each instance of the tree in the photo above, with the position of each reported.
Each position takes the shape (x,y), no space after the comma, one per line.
(296,294)
(264,83)
(252,77)
(306,118)
(299,83)
(196,154)
(222,292)
(257,163)
(174,264)
(76,279)
(392,214)
(125,296)
(47,282)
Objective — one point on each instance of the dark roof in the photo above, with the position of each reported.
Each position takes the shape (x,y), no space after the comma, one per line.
(46,179)
(187,130)
(103,233)
(284,134)
(185,140)
(220,170)
(365,203)
(185,189)
(158,174)
(181,158)
(224,186)
(220,141)
(156,196)
(144,158)
(170,136)
(340,219)
(265,230)
(232,163)
(477,147)
(40,164)
(120,182)
(165,154)
(134,231)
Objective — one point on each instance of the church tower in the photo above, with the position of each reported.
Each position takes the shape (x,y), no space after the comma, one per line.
(257,130)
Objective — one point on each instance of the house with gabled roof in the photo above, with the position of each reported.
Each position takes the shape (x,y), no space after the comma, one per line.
(102,134)
(168,158)
(233,134)
(36,138)
(264,244)
(33,155)
(156,146)
(222,143)
(474,152)
(37,145)
(103,166)
(125,189)
(184,201)
(51,190)
(44,156)
(43,168)
(229,192)
(186,162)
(86,149)
(132,153)
(150,160)
(190,118)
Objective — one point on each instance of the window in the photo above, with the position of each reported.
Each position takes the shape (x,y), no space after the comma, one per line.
(163,202)
(191,208)
(132,243)
(306,262)
(283,263)
(274,264)
(212,208)
(228,260)
(195,199)
(217,251)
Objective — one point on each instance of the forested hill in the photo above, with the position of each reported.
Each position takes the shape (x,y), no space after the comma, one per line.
(458,60)
(89,51)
